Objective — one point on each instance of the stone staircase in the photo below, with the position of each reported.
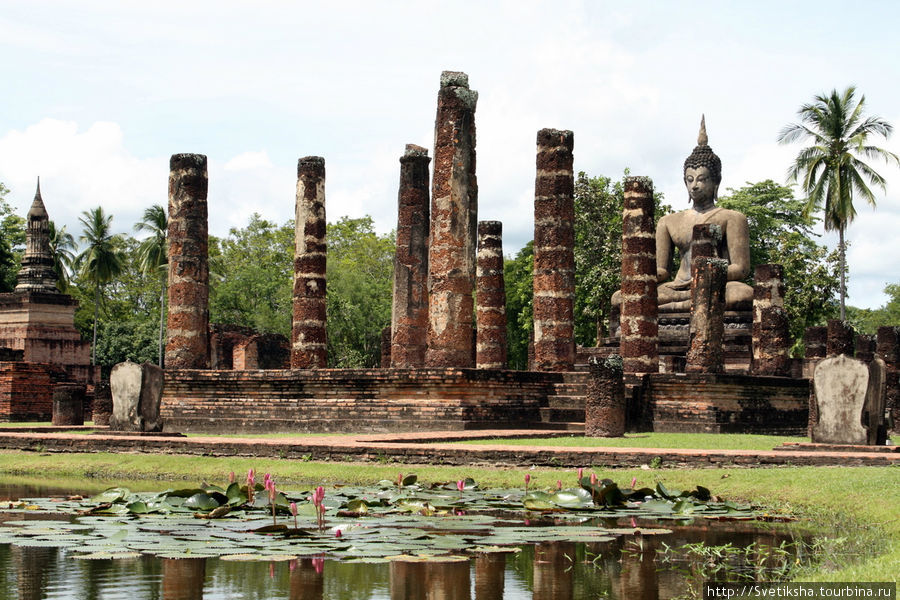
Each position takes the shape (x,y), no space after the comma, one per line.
(565,403)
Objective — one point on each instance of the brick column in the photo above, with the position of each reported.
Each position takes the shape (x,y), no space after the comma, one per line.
(865,347)
(187,345)
(386,348)
(707,315)
(840,338)
(887,348)
(771,336)
(490,298)
(814,339)
(639,329)
(454,218)
(409,308)
(554,252)
(604,409)
(308,337)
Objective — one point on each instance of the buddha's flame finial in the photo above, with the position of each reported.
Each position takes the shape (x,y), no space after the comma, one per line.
(37,193)
(702,139)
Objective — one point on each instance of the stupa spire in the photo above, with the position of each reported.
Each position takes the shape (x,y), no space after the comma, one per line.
(37,274)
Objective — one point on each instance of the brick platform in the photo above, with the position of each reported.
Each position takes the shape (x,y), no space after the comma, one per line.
(341,400)
(433,448)
(725,403)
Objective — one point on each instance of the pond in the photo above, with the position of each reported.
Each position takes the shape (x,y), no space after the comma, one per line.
(447,555)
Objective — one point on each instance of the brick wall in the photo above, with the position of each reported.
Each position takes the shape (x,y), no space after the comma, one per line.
(26,391)
(723,403)
(351,400)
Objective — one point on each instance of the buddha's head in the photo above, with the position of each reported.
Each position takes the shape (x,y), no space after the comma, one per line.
(702,170)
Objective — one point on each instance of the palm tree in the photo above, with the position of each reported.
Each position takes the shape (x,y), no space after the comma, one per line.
(831,170)
(153,257)
(62,247)
(100,261)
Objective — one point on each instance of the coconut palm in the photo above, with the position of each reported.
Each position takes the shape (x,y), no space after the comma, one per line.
(100,261)
(831,171)
(153,258)
(62,248)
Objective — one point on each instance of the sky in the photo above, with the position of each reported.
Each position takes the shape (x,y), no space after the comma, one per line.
(98,95)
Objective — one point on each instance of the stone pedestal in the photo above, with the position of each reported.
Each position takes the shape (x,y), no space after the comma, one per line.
(771,334)
(136,394)
(409,307)
(68,404)
(188,292)
(454,219)
(102,409)
(309,349)
(639,328)
(490,298)
(554,252)
(604,411)
(707,315)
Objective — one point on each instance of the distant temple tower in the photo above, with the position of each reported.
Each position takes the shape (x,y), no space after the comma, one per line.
(37,274)
(39,344)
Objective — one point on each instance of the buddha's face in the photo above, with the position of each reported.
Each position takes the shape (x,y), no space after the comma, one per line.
(700,185)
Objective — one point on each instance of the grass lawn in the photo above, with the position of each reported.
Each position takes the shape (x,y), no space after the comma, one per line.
(859,505)
(703,441)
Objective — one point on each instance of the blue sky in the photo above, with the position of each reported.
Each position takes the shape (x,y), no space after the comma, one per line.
(98,95)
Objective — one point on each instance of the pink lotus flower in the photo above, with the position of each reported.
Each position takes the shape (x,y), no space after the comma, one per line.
(460,485)
(580,474)
(558,484)
(293,507)
(633,481)
(231,477)
(593,479)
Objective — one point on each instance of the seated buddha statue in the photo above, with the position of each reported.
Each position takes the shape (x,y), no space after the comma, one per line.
(702,176)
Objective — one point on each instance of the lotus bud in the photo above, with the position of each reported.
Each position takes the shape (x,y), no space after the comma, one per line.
(231,477)
(293,506)
(558,484)
(460,485)
(633,482)
(580,474)
(593,479)
(337,533)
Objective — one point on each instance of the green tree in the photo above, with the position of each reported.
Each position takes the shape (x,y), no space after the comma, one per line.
(518,276)
(831,170)
(251,272)
(12,242)
(153,259)
(62,247)
(360,277)
(781,233)
(100,261)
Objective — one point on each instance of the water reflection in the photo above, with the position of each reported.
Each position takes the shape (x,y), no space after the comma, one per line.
(553,571)
(31,564)
(490,571)
(431,580)
(183,578)
(307,579)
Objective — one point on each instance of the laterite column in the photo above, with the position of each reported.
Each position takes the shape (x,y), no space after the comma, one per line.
(409,308)
(887,348)
(815,342)
(554,252)
(308,337)
(639,328)
(187,345)
(707,315)
(454,219)
(771,336)
(490,298)
(840,338)
(604,408)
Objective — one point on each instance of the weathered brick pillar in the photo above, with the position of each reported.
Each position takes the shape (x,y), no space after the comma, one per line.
(604,409)
(454,219)
(308,337)
(554,252)
(102,407)
(409,308)
(68,404)
(490,298)
(386,347)
(865,347)
(840,338)
(187,345)
(887,348)
(815,342)
(639,329)
(705,240)
(771,335)
(707,315)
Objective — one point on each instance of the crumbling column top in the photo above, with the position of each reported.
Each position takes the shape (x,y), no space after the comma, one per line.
(414,151)
(187,160)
